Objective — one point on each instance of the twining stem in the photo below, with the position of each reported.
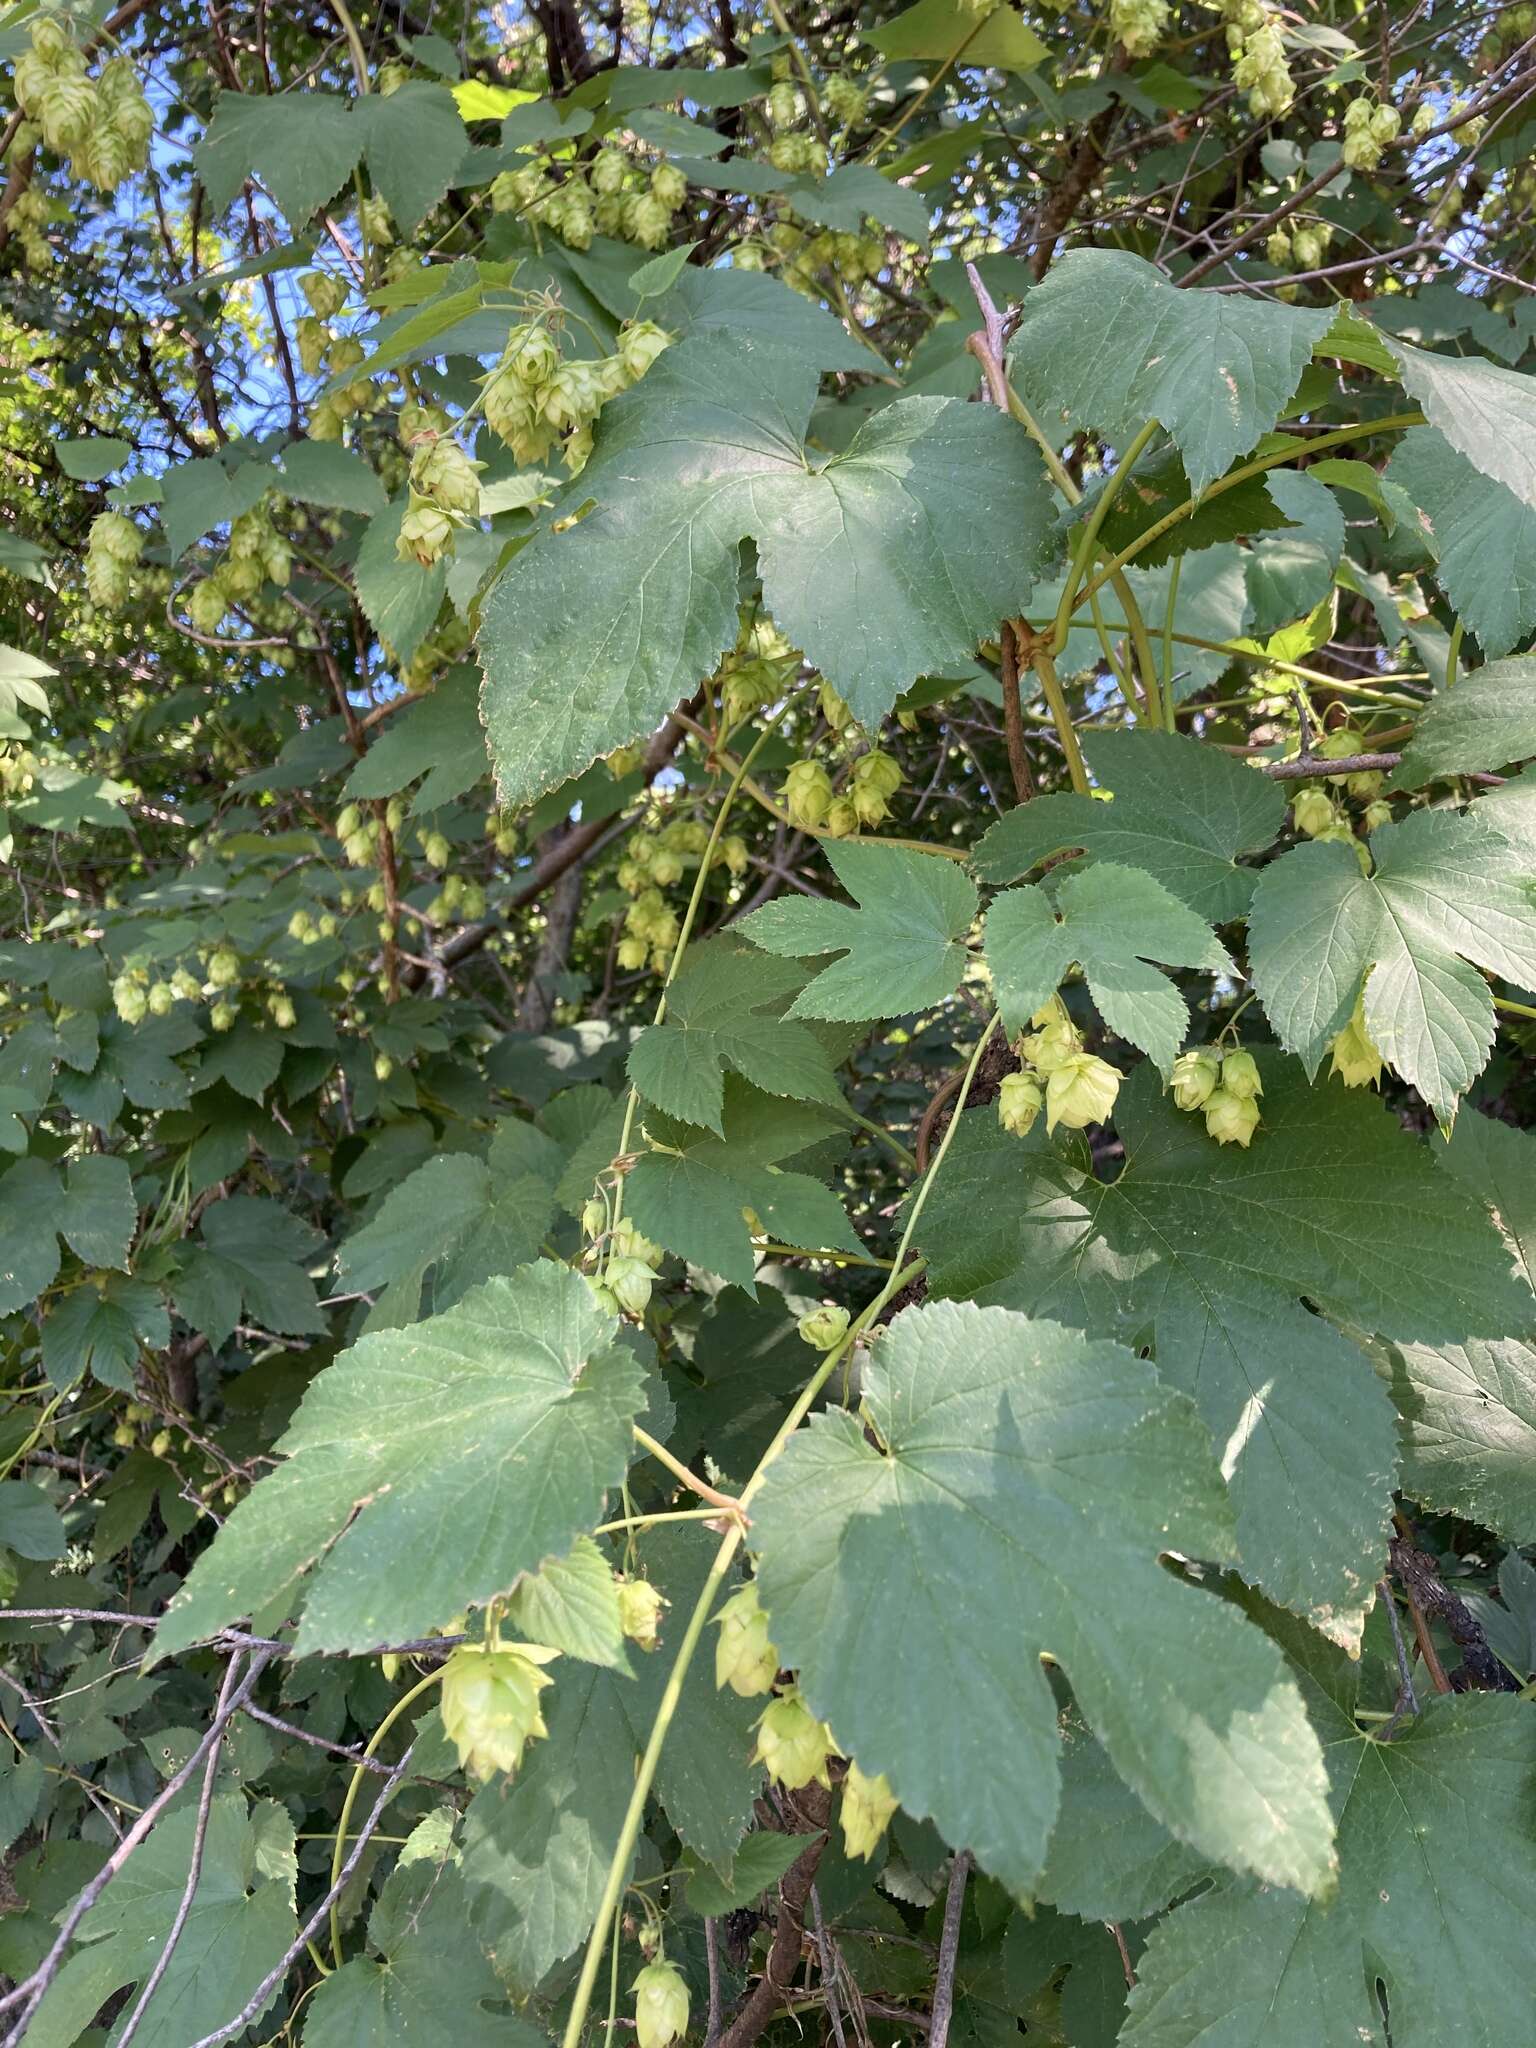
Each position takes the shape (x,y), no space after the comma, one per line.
(1168,638)
(1061,716)
(726,1502)
(1453,655)
(1275,459)
(1088,540)
(666,1710)
(339,1854)
(706,861)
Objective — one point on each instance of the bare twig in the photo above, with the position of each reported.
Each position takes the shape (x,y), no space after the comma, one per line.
(29,1992)
(949,1950)
(178,1924)
(712,1959)
(264,1990)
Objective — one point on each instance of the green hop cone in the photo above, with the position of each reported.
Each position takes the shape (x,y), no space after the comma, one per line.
(1356,1059)
(1231,1119)
(1375,815)
(745,1658)
(1240,1076)
(661,2005)
(823,1328)
(1312,811)
(1081,1091)
(490,1704)
(808,795)
(441,471)
(426,533)
(630,1282)
(640,1610)
(868,1804)
(1195,1077)
(1020,1100)
(1054,1043)
(793,1747)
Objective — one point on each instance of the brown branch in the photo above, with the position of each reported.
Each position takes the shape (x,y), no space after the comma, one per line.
(28,1994)
(766,1995)
(1013,715)
(949,1950)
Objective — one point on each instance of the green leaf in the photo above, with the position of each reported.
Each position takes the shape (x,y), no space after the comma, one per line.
(543,1844)
(716,1019)
(432,1981)
(1437,1880)
(99,1330)
(260,1248)
(901,947)
(420,1221)
(29,1521)
(324,473)
(1208,1248)
(1109,1859)
(591,636)
(1448,896)
(949,32)
(1028,1473)
(414,141)
(1482,535)
(1468,1410)
(239,1914)
(1291,573)
(401,599)
(690,1198)
(438,736)
(427,1468)
(100,1214)
(302,146)
(1488,414)
(205,493)
(90,460)
(572,1604)
(857,192)
(661,273)
(248,1057)
(1108,920)
(756,1867)
(1107,342)
(1181,810)
(1486,721)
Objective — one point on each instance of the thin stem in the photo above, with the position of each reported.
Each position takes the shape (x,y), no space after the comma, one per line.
(1088,539)
(1061,717)
(355,48)
(893,1145)
(1276,459)
(726,1502)
(1452,656)
(1514,1009)
(949,1950)
(650,1521)
(339,1854)
(1173,599)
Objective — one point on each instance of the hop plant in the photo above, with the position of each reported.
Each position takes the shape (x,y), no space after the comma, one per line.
(608,171)
(745,1658)
(866,1810)
(1240,1076)
(661,2005)
(324,292)
(111,552)
(669,187)
(426,533)
(490,1704)
(1313,811)
(441,471)
(640,1610)
(1138,25)
(1356,1058)
(793,1747)
(808,795)
(1231,1119)
(1020,1099)
(823,1328)
(846,100)
(1080,1091)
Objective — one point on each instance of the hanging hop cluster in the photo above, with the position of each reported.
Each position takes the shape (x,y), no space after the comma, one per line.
(614,195)
(1317,814)
(1357,1058)
(1138,25)
(444,488)
(813,801)
(654,862)
(490,1704)
(805,257)
(757,671)
(111,552)
(102,124)
(1225,1086)
(630,1262)
(536,399)
(28,223)
(1257,50)
(1369,125)
(257,554)
(1072,1085)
